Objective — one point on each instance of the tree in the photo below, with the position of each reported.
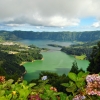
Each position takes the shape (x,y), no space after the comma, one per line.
(74,68)
(94,66)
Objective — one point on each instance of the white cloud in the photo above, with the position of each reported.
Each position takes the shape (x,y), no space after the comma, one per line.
(60,21)
(96,24)
(47,12)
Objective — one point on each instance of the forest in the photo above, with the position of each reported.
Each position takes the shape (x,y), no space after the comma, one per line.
(11,57)
(79,49)
(58,36)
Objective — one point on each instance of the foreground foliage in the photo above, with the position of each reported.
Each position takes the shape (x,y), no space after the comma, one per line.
(81,86)
(24,91)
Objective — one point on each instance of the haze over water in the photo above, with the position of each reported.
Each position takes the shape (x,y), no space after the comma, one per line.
(54,60)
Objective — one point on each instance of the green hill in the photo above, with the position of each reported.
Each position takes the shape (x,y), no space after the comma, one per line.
(58,36)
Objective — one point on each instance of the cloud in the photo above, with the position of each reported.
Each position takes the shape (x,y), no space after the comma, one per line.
(96,24)
(47,12)
(60,21)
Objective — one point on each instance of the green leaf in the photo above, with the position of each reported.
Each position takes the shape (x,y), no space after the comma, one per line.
(13,86)
(72,76)
(49,92)
(63,96)
(70,97)
(79,84)
(47,86)
(80,74)
(72,87)
(23,93)
(65,84)
(32,84)
(56,93)
(8,97)
(10,81)
(3,98)
(54,98)
(24,82)
(2,92)
(44,97)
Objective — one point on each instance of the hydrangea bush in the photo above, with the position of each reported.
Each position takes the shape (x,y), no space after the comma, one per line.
(84,86)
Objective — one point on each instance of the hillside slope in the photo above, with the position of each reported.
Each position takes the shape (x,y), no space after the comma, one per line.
(58,36)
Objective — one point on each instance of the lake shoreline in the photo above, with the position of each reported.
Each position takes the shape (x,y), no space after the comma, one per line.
(31,61)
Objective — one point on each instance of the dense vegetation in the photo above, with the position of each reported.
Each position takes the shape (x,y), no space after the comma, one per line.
(11,57)
(81,86)
(80,49)
(10,67)
(55,45)
(59,36)
(94,66)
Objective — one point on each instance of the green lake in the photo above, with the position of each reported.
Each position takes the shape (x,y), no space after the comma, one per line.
(54,60)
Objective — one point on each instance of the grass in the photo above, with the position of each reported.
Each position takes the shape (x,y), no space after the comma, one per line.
(82,57)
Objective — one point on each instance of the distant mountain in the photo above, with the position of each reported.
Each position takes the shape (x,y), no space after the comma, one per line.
(58,36)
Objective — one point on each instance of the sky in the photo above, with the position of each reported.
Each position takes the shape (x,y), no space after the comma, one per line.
(50,15)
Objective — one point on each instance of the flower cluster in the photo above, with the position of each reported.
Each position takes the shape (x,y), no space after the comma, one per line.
(2,78)
(44,78)
(53,88)
(93,84)
(79,97)
(34,97)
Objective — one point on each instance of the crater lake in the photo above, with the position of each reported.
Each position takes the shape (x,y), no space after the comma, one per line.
(53,60)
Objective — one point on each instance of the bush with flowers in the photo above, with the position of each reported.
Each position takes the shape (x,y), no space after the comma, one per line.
(81,86)
(21,90)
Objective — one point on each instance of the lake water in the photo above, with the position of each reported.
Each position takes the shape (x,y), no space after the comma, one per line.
(43,43)
(54,60)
